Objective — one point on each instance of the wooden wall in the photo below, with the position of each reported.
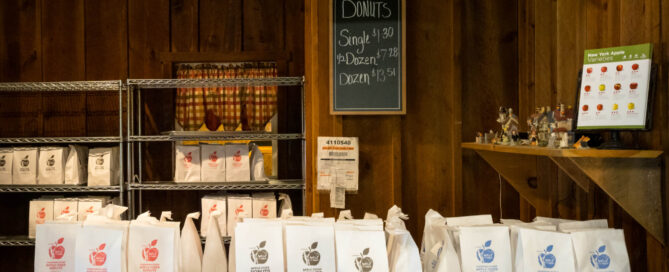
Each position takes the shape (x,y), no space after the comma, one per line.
(464,60)
(59,40)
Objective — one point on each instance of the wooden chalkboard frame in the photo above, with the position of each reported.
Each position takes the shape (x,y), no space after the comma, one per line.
(403,69)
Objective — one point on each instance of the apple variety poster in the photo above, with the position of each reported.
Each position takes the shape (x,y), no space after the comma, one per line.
(614,88)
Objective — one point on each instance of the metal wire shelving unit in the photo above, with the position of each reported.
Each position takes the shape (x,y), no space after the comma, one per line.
(55,87)
(135,138)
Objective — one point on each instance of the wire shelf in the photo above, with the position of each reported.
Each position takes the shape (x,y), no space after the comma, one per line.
(171,186)
(59,140)
(56,188)
(16,241)
(215,136)
(62,86)
(210,83)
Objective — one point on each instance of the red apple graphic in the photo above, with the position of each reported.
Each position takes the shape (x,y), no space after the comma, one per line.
(57,251)
(150,252)
(188,157)
(633,85)
(587,88)
(66,210)
(41,214)
(90,210)
(600,107)
(213,208)
(635,67)
(617,86)
(604,69)
(213,157)
(264,211)
(237,156)
(619,67)
(98,257)
(585,108)
(589,70)
(240,209)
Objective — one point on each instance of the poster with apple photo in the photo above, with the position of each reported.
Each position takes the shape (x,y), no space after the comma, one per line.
(614,87)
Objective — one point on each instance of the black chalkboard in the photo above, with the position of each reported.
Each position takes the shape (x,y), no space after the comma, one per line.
(367,57)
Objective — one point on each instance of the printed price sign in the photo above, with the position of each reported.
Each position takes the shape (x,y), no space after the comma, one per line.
(338,163)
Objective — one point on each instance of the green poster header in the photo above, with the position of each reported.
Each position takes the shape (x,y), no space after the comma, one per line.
(616,54)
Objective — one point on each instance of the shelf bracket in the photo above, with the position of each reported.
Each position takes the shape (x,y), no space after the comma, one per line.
(519,175)
(634,183)
(573,171)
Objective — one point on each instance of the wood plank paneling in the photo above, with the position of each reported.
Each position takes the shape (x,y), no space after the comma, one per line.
(263,23)
(184,20)
(220,25)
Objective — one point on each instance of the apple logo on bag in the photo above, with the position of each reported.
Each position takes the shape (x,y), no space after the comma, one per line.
(547,259)
(66,210)
(57,251)
(213,209)
(240,209)
(51,161)
(264,211)
(2,161)
(25,162)
(363,262)
(310,256)
(98,257)
(599,259)
(41,214)
(100,160)
(150,252)
(259,255)
(213,157)
(237,156)
(485,254)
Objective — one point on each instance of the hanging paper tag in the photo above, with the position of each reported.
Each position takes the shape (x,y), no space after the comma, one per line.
(337,197)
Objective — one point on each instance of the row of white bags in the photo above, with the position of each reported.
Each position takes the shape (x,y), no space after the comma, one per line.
(59,165)
(218,163)
(474,243)
(105,243)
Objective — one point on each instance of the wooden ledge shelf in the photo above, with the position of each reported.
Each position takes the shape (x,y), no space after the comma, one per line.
(632,178)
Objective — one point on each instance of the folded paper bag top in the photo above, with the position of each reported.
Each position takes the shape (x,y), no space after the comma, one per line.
(214,258)
(153,244)
(437,250)
(402,249)
(191,245)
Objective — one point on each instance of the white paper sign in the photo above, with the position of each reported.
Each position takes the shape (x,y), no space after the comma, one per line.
(338,160)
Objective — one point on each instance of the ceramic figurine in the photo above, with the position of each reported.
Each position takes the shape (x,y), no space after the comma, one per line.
(544,129)
(533,125)
(564,140)
(582,143)
(551,140)
(564,117)
(510,127)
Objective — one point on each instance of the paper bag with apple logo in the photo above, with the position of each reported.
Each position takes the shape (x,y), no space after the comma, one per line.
(515,225)
(101,245)
(51,165)
(187,163)
(152,244)
(214,258)
(240,217)
(437,248)
(191,246)
(485,248)
(103,166)
(454,223)
(259,246)
(361,245)
(402,249)
(6,160)
(24,165)
(213,163)
(540,250)
(310,244)
(600,250)
(55,246)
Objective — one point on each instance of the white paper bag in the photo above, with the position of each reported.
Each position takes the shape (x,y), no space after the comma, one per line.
(187,163)
(310,246)
(454,224)
(259,246)
(554,221)
(40,211)
(24,165)
(238,204)
(244,215)
(76,166)
(88,206)
(214,258)
(515,225)
(544,251)
(55,246)
(237,166)
(285,204)
(51,165)
(264,205)
(402,249)
(213,163)
(100,248)
(152,245)
(103,168)
(191,246)
(437,249)
(212,204)
(6,160)
(579,225)
(65,206)
(257,164)
(600,250)
(361,245)
(485,248)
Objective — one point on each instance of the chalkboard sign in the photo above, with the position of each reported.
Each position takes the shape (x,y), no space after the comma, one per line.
(367,57)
